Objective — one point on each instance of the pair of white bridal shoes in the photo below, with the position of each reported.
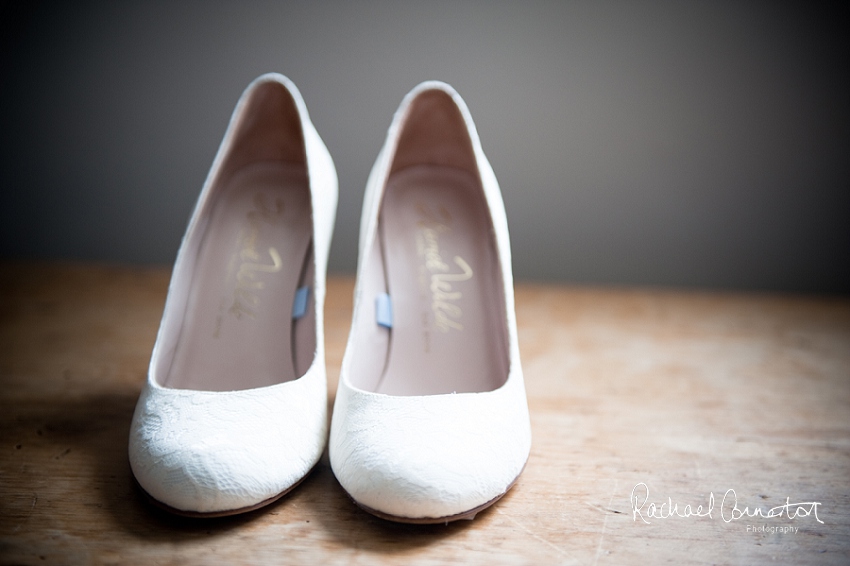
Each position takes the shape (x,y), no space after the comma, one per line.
(430,422)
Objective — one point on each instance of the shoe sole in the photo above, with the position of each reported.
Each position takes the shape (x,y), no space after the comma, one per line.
(468,515)
(225,513)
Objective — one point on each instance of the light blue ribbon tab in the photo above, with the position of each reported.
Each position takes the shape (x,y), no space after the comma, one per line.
(384,310)
(299,304)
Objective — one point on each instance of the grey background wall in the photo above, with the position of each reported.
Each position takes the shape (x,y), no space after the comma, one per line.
(696,144)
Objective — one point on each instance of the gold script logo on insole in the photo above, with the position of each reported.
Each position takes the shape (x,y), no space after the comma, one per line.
(441,277)
(255,261)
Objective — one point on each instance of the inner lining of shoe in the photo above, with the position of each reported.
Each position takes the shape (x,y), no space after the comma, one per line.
(238,330)
(443,282)
(229,324)
(436,322)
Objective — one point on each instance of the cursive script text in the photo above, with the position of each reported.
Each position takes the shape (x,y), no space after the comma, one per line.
(445,297)
(729,510)
(254,262)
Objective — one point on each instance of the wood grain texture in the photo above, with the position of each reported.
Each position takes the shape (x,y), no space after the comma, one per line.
(689,393)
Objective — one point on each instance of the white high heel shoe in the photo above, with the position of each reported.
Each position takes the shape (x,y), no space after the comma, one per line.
(234,411)
(431,422)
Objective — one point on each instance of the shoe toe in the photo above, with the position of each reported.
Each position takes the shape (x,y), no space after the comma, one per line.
(429,457)
(202,452)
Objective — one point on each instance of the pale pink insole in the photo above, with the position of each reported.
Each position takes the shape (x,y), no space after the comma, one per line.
(443,278)
(238,331)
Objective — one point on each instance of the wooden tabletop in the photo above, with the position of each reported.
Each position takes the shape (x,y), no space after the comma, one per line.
(637,397)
